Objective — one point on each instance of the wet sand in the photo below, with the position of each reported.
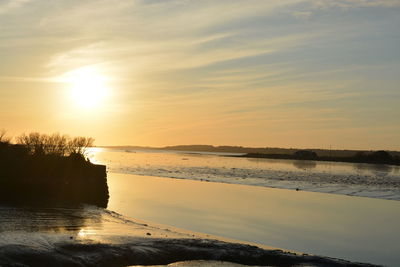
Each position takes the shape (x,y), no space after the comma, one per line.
(90,236)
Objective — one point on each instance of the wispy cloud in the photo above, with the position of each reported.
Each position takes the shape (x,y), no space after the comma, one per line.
(357,3)
(10,5)
(276,65)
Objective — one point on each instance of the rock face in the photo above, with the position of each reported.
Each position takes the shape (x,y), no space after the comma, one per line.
(50,179)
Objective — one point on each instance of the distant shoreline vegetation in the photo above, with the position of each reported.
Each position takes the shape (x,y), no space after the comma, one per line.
(41,168)
(376,157)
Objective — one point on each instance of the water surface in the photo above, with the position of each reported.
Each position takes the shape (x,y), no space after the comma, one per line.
(352,228)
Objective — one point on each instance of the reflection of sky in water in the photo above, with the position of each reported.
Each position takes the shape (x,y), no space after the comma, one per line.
(38,226)
(353,228)
(47,219)
(305,164)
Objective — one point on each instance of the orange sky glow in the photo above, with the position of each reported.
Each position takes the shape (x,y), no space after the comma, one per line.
(287,73)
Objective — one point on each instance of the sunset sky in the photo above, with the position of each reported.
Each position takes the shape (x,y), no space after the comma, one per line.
(280,73)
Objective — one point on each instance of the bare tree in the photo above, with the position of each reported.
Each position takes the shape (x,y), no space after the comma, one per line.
(79,145)
(34,142)
(3,136)
(55,144)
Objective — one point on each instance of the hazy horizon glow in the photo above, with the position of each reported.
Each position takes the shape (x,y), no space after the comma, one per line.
(287,73)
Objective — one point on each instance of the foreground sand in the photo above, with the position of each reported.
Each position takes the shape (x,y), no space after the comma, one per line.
(90,236)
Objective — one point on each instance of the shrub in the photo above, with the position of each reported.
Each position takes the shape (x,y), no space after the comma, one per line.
(79,145)
(55,144)
(3,136)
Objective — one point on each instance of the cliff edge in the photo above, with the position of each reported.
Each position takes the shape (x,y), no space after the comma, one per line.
(46,178)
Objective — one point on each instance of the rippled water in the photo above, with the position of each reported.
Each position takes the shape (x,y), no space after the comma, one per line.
(370,180)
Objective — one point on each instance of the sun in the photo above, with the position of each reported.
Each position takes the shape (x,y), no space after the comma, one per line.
(88,87)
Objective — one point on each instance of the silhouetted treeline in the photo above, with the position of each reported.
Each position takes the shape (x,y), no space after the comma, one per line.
(54,144)
(376,157)
(50,168)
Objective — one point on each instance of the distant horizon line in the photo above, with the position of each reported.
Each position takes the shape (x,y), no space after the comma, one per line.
(240,147)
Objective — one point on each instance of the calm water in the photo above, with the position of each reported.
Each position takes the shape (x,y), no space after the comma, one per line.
(353,228)
(378,181)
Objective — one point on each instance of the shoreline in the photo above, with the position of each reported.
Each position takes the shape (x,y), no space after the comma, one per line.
(111,239)
(318,158)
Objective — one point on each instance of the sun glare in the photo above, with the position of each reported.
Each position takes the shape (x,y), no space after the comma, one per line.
(88,87)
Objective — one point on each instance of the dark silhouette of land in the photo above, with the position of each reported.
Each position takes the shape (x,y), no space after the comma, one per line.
(50,169)
(376,157)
